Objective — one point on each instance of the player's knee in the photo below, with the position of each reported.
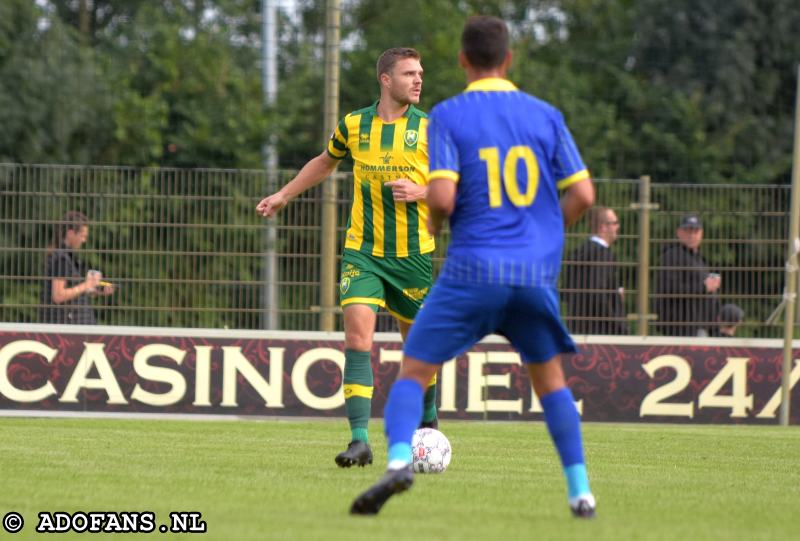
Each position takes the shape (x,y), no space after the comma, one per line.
(358,340)
(543,387)
(421,372)
(547,377)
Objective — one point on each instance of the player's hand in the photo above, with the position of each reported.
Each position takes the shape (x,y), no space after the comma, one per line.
(270,205)
(406,190)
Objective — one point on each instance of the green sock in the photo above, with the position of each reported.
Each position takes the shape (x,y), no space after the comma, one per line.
(358,392)
(429,409)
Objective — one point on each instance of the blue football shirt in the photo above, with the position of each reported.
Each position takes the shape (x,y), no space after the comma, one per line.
(510,153)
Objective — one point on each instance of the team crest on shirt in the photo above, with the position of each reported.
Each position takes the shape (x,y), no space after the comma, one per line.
(410,137)
(363,138)
(344,285)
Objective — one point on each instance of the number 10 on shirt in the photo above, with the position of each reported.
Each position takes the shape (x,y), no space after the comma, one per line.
(515,154)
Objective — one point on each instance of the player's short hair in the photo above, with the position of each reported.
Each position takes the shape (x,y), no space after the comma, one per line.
(389,58)
(484,41)
(597,217)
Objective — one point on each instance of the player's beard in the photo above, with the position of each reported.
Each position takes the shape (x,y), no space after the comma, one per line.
(405,98)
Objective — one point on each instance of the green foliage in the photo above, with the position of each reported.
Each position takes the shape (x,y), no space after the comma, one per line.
(376,26)
(681,91)
(53,105)
(678,90)
(169,83)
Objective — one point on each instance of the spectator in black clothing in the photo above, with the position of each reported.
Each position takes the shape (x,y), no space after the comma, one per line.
(68,285)
(686,292)
(594,291)
(728,319)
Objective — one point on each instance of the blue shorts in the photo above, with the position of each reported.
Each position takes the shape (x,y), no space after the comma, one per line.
(456,315)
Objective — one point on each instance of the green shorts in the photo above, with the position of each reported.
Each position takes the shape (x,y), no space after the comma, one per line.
(399,284)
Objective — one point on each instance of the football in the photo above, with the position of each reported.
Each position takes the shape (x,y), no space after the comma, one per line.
(431,450)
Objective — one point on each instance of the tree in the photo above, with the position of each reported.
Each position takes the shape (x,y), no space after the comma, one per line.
(131,83)
(736,60)
(53,104)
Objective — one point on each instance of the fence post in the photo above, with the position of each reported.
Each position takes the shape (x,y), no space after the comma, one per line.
(791,269)
(643,272)
(329,188)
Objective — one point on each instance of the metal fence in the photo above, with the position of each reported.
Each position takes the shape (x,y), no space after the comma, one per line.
(746,228)
(186,247)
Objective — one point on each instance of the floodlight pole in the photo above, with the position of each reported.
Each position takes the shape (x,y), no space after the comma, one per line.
(329,234)
(791,268)
(269,152)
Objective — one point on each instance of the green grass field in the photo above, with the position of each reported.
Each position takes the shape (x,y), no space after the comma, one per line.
(276,479)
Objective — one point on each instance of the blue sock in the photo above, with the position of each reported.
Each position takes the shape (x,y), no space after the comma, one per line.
(564,425)
(401,417)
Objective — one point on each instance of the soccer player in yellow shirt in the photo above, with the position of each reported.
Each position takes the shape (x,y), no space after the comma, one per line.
(386,261)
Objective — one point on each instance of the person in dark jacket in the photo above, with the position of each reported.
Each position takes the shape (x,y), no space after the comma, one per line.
(686,300)
(68,284)
(592,288)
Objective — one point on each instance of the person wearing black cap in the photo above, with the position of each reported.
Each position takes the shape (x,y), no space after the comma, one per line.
(729,317)
(686,300)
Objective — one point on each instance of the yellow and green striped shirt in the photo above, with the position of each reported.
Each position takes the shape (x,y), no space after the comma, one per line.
(381,152)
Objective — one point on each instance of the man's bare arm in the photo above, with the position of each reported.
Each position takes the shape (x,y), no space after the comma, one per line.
(577,199)
(312,173)
(441,200)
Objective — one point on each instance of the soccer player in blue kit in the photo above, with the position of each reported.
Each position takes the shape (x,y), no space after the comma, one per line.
(498,158)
